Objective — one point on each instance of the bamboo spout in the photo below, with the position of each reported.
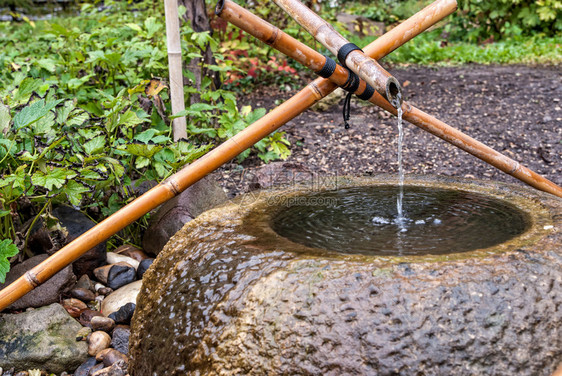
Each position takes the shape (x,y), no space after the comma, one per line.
(348,54)
(183,179)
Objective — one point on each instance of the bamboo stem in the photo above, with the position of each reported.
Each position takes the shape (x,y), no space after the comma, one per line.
(268,33)
(180,181)
(179,125)
(364,66)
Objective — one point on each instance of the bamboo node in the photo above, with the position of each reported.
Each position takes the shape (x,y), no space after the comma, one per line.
(32,278)
(273,36)
(173,185)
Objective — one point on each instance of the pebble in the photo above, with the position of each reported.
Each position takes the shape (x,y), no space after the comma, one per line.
(124,314)
(143,267)
(119,368)
(112,356)
(121,274)
(132,252)
(120,340)
(87,316)
(97,341)
(83,294)
(114,258)
(102,323)
(120,297)
(84,283)
(74,307)
(84,369)
(101,354)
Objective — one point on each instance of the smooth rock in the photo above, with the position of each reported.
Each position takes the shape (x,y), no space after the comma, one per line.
(120,297)
(97,341)
(84,369)
(82,294)
(76,223)
(143,267)
(105,291)
(74,307)
(132,252)
(46,293)
(120,275)
(101,354)
(96,368)
(43,338)
(113,356)
(124,314)
(171,216)
(118,368)
(102,323)
(120,339)
(84,283)
(87,316)
(114,258)
(22,373)
(101,274)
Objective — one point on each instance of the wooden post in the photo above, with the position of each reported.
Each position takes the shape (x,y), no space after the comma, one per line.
(179,125)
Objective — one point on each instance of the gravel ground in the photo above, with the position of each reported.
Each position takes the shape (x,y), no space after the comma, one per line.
(516,110)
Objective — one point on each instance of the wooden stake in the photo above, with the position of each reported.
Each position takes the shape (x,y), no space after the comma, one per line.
(179,125)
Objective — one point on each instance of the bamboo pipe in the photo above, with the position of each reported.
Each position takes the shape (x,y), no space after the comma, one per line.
(180,181)
(271,35)
(364,66)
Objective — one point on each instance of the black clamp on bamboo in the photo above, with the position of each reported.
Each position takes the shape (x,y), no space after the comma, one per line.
(367,93)
(328,69)
(345,50)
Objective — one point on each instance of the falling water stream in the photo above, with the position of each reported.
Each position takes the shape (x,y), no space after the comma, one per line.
(400,199)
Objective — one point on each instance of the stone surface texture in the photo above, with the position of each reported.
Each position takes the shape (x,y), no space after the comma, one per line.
(171,216)
(45,294)
(119,298)
(228,296)
(43,338)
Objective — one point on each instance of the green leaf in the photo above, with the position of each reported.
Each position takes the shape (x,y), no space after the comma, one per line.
(134,27)
(142,162)
(146,135)
(53,179)
(74,191)
(129,118)
(7,249)
(152,26)
(25,89)
(141,150)
(47,64)
(64,111)
(35,111)
(95,145)
(5,118)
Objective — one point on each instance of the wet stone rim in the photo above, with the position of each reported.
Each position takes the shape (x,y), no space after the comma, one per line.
(259,209)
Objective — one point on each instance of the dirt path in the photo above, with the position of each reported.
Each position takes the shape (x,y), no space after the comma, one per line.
(516,110)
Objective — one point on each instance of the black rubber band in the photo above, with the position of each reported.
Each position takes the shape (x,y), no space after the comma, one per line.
(346,111)
(367,93)
(219,7)
(345,50)
(352,83)
(328,69)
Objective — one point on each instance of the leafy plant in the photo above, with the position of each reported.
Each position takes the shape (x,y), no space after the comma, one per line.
(7,250)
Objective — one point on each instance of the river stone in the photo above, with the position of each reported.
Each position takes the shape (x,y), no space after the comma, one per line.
(43,338)
(45,294)
(171,216)
(228,296)
(117,299)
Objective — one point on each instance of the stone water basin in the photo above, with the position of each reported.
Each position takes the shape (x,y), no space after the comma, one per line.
(281,282)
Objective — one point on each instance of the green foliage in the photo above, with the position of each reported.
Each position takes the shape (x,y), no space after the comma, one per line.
(432,47)
(83,114)
(479,20)
(7,250)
